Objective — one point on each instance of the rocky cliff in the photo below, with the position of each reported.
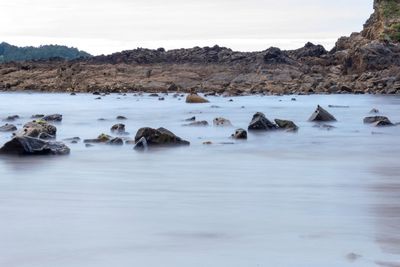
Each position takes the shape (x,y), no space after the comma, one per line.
(366,62)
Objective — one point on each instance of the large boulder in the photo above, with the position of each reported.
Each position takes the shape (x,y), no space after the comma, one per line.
(8,128)
(321,114)
(39,129)
(24,145)
(157,137)
(260,123)
(195,99)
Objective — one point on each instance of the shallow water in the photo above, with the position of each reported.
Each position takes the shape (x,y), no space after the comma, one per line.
(314,198)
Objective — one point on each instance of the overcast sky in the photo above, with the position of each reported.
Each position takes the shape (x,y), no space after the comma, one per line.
(106,26)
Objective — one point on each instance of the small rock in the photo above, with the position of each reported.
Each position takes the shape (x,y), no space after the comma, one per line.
(286,125)
(215,106)
(102,138)
(374,111)
(321,114)
(161,98)
(378,121)
(191,119)
(260,122)
(338,106)
(195,99)
(154,95)
(197,124)
(37,116)
(293,99)
(117,141)
(207,143)
(72,140)
(121,118)
(240,134)
(96,93)
(11,118)
(8,128)
(118,128)
(221,122)
(324,126)
(97,98)
(53,118)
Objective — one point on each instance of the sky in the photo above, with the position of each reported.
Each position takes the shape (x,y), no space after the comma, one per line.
(107,26)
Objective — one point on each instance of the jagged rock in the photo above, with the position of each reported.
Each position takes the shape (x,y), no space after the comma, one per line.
(195,99)
(240,134)
(197,124)
(378,120)
(24,145)
(53,118)
(260,123)
(321,114)
(159,137)
(39,129)
(8,128)
(221,122)
(286,125)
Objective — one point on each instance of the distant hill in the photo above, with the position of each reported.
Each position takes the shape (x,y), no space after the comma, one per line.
(14,53)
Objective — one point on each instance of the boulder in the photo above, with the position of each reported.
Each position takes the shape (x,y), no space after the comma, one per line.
(321,114)
(221,122)
(24,145)
(240,134)
(197,124)
(158,137)
(286,125)
(375,119)
(260,123)
(118,128)
(39,129)
(8,128)
(195,99)
(53,118)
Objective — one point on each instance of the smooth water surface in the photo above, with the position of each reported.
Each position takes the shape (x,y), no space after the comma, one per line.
(313,198)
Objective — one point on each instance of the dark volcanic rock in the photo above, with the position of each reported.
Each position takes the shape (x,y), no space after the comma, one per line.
(240,134)
(24,145)
(8,128)
(286,125)
(158,137)
(260,122)
(53,118)
(321,114)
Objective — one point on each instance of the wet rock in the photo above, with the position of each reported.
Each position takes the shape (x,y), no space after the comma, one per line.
(378,121)
(102,138)
(158,137)
(221,122)
(191,119)
(321,114)
(195,99)
(293,99)
(117,141)
(24,145)
(72,94)
(11,118)
(154,95)
(97,98)
(96,93)
(141,144)
(39,129)
(8,128)
(121,118)
(286,125)
(197,124)
(118,128)
(374,111)
(37,116)
(161,98)
(260,123)
(240,134)
(53,118)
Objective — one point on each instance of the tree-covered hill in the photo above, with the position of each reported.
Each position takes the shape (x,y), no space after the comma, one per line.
(14,53)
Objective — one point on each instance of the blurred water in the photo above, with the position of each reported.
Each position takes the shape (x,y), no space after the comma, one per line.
(277,199)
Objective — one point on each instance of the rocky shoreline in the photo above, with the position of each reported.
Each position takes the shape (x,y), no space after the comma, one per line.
(366,62)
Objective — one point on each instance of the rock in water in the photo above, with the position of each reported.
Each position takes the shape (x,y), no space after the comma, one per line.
(260,123)
(8,128)
(158,137)
(321,114)
(222,122)
(24,145)
(240,134)
(12,118)
(53,117)
(39,129)
(117,141)
(286,125)
(118,128)
(102,138)
(195,99)
(375,119)
(197,124)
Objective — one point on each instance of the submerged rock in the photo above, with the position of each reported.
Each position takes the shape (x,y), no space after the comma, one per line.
(11,118)
(72,140)
(221,122)
(324,126)
(121,118)
(381,120)
(197,124)
(240,134)
(321,114)
(118,128)
(37,116)
(260,123)
(157,137)
(102,138)
(191,119)
(195,99)
(53,118)
(24,145)
(8,128)
(286,125)
(117,141)
(374,111)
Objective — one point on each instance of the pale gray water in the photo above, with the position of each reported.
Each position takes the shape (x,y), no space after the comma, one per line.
(278,199)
